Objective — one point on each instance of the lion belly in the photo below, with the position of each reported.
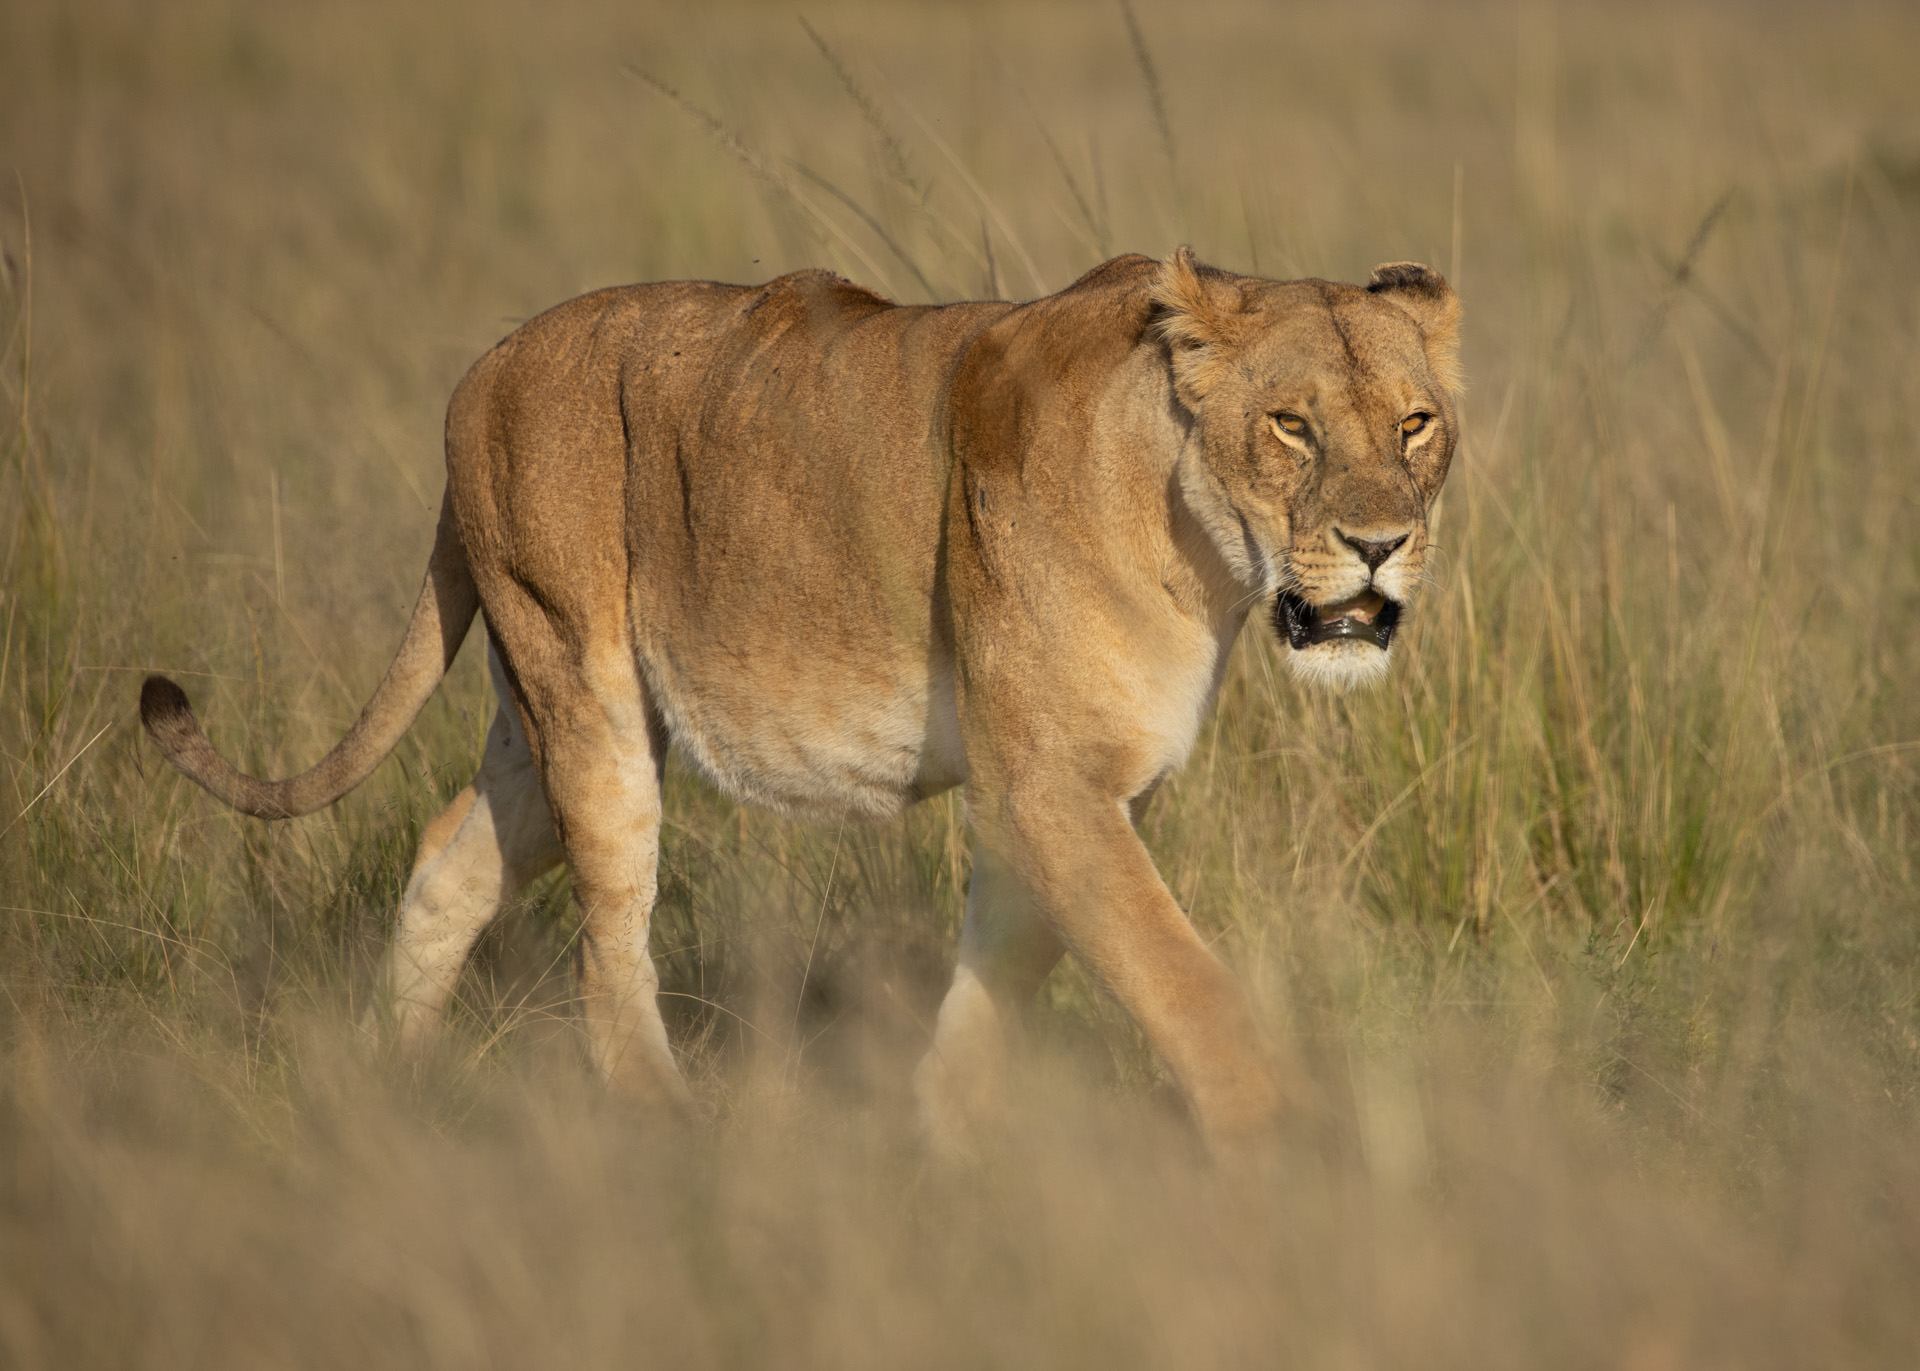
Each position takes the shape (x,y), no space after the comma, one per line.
(839,740)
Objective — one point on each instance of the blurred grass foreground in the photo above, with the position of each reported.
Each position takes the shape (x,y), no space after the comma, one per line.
(1590,940)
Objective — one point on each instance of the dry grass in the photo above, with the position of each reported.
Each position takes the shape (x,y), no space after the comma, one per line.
(1591,938)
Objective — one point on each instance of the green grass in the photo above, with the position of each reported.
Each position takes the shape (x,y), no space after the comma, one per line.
(1589,942)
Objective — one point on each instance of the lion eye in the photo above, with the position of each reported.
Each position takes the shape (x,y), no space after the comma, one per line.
(1292,425)
(1413,423)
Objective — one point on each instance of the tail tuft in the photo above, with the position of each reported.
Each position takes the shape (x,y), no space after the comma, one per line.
(167,714)
(170,723)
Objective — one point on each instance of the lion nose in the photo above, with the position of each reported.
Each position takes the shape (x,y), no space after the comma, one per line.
(1373,553)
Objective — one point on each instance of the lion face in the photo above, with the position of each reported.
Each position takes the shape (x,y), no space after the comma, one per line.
(1323,426)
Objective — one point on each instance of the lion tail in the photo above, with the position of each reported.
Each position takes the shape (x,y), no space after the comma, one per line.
(441,617)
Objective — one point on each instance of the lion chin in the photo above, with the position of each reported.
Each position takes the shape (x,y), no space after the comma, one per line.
(1340,666)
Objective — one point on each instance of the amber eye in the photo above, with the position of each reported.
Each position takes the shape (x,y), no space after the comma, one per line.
(1413,423)
(1291,425)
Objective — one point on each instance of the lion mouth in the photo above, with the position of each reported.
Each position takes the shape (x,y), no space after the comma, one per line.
(1368,617)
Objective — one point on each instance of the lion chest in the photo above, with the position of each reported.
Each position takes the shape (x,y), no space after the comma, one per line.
(1162,695)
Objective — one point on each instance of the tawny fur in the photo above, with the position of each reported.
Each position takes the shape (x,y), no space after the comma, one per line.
(843,555)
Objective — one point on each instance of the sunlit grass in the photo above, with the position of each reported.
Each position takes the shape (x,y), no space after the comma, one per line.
(1587,942)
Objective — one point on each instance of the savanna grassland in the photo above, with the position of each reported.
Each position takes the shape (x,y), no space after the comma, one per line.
(1590,944)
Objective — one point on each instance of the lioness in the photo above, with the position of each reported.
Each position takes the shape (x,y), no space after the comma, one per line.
(846,554)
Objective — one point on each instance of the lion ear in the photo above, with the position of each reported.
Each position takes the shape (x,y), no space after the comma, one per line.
(1425,295)
(1199,316)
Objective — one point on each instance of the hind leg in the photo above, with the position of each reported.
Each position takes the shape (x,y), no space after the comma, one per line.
(602,754)
(475,855)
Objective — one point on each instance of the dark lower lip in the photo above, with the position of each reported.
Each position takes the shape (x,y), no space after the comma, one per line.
(1296,621)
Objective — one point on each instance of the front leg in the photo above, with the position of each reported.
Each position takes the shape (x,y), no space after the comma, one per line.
(1093,883)
(1006,951)
(1090,641)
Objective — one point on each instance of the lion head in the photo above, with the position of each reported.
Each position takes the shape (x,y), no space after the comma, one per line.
(1322,426)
